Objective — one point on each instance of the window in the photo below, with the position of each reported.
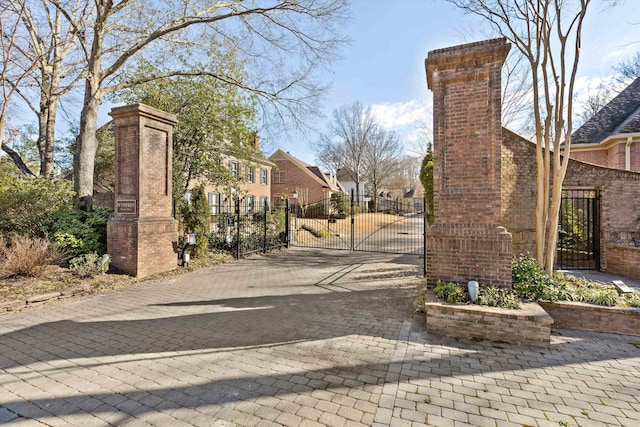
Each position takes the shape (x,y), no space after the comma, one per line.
(234,168)
(264,200)
(278,177)
(264,176)
(250,202)
(214,203)
(250,173)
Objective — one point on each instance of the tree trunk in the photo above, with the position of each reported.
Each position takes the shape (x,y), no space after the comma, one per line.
(47,168)
(42,133)
(17,160)
(86,147)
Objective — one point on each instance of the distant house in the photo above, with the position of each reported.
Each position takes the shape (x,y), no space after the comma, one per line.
(253,186)
(292,178)
(402,200)
(611,137)
(347,179)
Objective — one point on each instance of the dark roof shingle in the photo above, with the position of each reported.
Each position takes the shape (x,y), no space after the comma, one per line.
(621,115)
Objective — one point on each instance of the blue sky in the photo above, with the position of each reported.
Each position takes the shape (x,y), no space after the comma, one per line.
(383,66)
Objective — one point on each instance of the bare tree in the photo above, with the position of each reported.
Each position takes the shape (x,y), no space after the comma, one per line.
(382,160)
(15,68)
(49,44)
(548,34)
(596,99)
(629,69)
(624,73)
(286,40)
(346,144)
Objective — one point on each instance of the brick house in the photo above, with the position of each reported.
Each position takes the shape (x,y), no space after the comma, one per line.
(253,175)
(292,177)
(611,138)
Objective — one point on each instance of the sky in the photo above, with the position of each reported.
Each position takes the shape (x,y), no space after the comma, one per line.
(383,66)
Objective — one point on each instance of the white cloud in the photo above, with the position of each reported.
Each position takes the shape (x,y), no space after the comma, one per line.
(400,115)
(409,120)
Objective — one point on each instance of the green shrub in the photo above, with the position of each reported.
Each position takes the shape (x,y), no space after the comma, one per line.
(77,232)
(496,297)
(25,203)
(315,232)
(420,303)
(530,282)
(451,292)
(596,293)
(314,210)
(89,265)
(197,219)
(340,202)
(632,299)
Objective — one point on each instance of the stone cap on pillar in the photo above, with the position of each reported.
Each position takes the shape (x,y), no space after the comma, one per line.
(144,110)
(470,55)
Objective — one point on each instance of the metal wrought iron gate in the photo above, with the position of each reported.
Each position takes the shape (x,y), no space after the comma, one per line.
(342,222)
(579,230)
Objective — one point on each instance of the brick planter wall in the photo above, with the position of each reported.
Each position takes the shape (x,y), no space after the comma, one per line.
(623,260)
(587,317)
(530,325)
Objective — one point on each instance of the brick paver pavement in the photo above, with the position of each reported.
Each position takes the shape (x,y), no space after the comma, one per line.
(296,338)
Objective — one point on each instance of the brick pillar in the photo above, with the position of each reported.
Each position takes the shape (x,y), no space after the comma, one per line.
(466,241)
(140,234)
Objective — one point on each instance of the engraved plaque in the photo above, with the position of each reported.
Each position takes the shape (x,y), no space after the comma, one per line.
(126,207)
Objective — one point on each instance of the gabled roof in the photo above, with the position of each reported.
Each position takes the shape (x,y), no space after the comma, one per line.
(346,174)
(312,171)
(620,116)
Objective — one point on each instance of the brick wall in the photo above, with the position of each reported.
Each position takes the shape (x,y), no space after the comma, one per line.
(467,240)
(624,260)
(613,157)
(635,156)
(620,199)
(140,234)
(597,157)
(530,325)
(586,317)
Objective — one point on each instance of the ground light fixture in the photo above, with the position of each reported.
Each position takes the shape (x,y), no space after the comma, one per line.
(472,288)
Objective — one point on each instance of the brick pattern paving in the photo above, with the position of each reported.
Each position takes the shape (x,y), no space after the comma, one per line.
(296,338)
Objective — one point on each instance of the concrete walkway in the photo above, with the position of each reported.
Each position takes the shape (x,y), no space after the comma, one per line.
(297,338)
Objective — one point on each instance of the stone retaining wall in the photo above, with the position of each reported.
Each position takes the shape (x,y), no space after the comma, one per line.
(530,325)
(586,317)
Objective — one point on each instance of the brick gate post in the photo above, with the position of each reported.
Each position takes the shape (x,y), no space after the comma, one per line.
(467,241)
(140,234)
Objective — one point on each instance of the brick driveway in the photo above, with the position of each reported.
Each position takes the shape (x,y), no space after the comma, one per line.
(301,338)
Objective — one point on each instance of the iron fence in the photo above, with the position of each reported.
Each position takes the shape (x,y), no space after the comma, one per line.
(579,230)
(243,227)
(341,221)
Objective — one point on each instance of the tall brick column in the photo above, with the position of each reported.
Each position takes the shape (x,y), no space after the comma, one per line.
(467,241)
(140,234)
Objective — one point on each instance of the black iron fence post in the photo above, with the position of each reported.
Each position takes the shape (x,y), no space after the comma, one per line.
(287,212)
(352,223)
(596,228)
(424,233)
(264,241)
(238,227)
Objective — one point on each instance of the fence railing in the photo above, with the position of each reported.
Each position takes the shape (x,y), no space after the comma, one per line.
(244,227)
